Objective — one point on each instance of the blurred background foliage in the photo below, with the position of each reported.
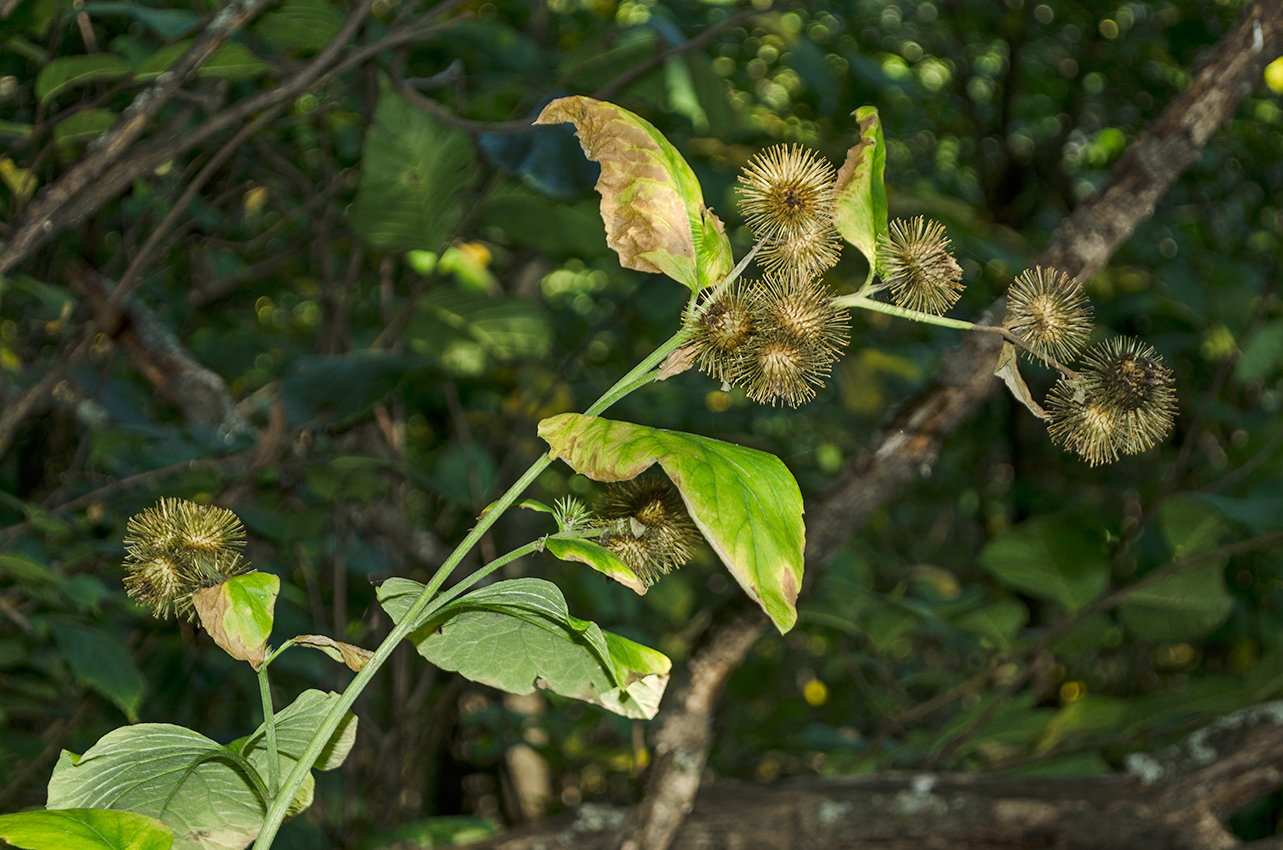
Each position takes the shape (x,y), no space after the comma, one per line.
(396,282)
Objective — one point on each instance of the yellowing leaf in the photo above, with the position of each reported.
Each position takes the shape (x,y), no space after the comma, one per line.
(238,614)
(1008,369)
(21,181)
(745,502)
(651,202)
(861,197)
(599,558)
(354,657)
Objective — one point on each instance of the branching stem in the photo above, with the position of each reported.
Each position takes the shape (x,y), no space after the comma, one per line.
(864,302)
(428,601)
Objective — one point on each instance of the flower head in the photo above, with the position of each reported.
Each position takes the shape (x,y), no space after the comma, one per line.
(915,260)
(648,527)
(1049,310)
(786,196)
(176,548)
(1122,402)
(1133,381)
(800,332)
(721,329)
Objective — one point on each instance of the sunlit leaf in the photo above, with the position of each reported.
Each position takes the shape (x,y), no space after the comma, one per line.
(599,558)
(83,126)
(861,198)
(67,72)
(651,202)
(238,614)
(745,502)
(306,25)
(1182,606)
(85,829)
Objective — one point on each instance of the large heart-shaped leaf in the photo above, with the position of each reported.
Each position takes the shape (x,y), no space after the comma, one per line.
(517,635)
(193,784)
(85,829)
(651,202)
(860,195)
(295,726)
(744,501)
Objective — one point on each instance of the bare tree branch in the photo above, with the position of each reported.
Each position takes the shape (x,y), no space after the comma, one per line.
(1177,799)
(37,224)
(910,444)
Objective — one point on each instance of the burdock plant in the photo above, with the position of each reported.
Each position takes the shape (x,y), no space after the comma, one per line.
(775,336)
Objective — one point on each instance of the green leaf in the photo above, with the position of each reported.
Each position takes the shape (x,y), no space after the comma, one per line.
(238,614)
(504,327)
(232,61)
(346,386)
(156,64)
(599,558)
(163,771)
(167,23)
(1050,558)
(745,502)
(414,172)
(306,25)
(1262,353)
(84,126)
(31,576)
(999,622)
(1191,525)
(14,131)
(67,72)
(861,197)
(1182,606)
(295,726)
(85,829)
(517,635)
(651,202)
(101,660)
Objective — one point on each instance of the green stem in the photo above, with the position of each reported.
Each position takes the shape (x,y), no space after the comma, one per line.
(865,303)
(269,723)
(636,377)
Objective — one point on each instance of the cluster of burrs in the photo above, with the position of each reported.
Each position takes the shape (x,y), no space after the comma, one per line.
(778,337)
(1120,402)
(176,548)
(643,522)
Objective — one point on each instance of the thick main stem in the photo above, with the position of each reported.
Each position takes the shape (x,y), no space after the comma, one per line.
(425,603)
